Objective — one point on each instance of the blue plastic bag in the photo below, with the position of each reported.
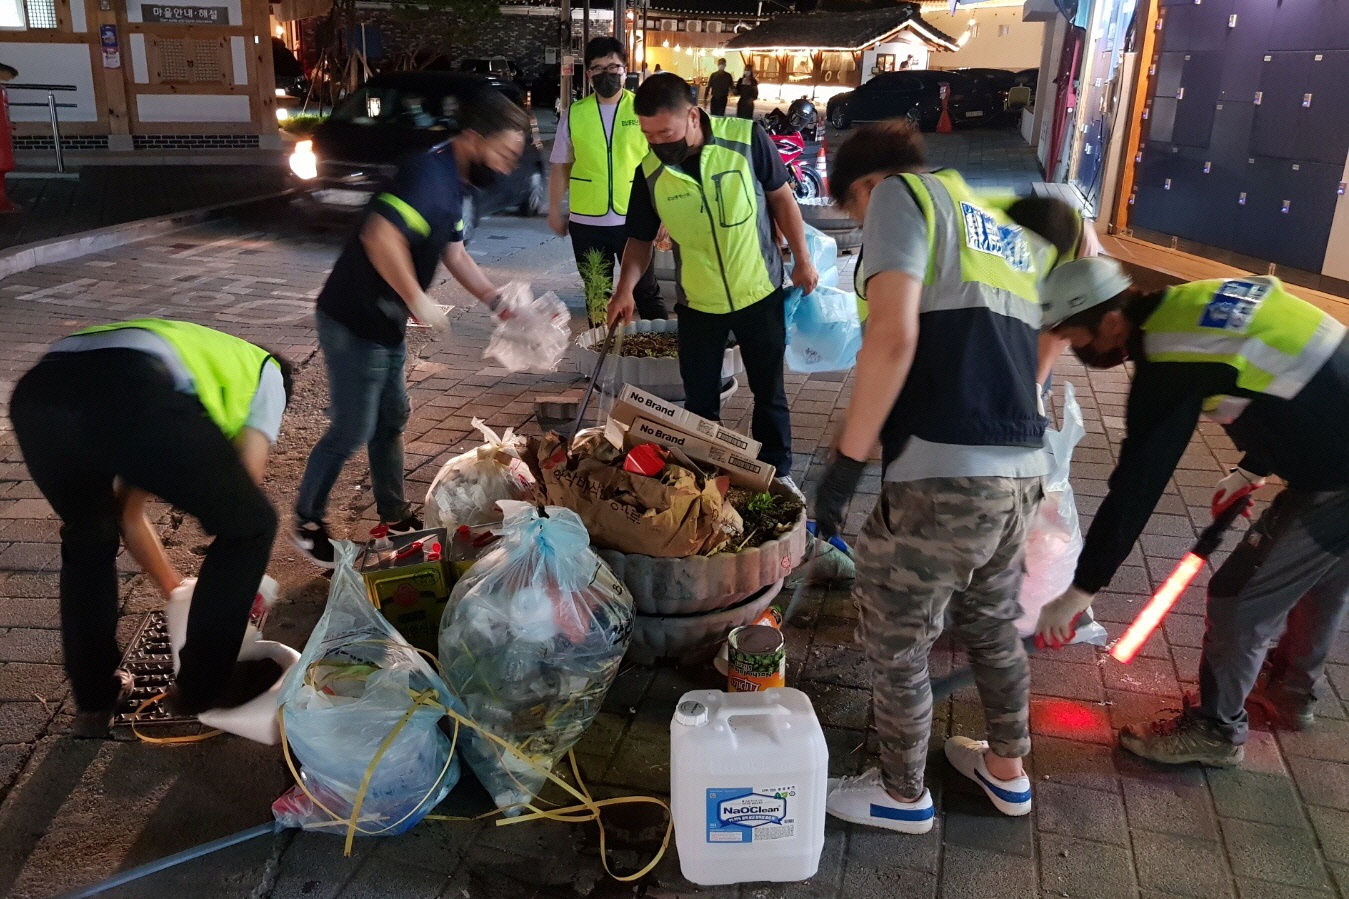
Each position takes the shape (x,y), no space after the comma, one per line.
(823,252)
(823,331)
(360,696)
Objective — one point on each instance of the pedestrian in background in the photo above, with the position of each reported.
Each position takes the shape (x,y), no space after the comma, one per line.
(378,281)
(1273,370)
(747,89)
(719,86)
(114,414)
(730,269)
(945,382)
(598,147)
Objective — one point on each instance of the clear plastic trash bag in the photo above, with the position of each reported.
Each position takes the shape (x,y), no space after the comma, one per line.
(823,251)
(360,691)
(1055,539)
(530,641)
(467,488)
(532,334)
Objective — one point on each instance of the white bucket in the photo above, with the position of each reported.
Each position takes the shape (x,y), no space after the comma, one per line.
(747,786)
(256,719)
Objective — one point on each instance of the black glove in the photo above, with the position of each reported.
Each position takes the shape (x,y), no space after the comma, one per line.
(835,489)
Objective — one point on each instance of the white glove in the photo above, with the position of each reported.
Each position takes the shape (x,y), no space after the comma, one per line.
(1233,487)
(1056,626)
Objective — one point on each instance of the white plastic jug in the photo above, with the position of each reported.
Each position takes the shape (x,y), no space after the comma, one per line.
(256,719)
(747,786)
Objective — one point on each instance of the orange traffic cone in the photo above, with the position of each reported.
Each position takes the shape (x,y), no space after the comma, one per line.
(944,121)
(822,167)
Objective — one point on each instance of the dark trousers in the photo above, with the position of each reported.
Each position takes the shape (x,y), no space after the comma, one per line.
(83,419)
(761,331)
(609,241)
(1292,567)
(717,104)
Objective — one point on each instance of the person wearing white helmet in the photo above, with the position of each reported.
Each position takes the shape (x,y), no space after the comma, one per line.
(1273,370)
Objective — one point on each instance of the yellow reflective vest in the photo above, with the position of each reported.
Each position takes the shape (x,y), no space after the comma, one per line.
(1275,341)
(723,233)
(601,176)
(225,369)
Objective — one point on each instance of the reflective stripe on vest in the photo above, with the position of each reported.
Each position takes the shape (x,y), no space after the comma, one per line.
(225,370)
(724,251)
(983,258)
(601,176)
(1275,341)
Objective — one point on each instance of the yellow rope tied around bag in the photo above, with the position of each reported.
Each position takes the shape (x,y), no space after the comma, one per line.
(586,808)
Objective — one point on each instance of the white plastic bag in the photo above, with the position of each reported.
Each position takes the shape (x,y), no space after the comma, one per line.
(531,334)
(530,641)
(468,487)
(360,696)
(1055,539)
(823,330)
(255,719)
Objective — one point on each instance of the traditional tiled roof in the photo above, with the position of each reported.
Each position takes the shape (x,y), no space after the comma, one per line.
(752,9)
(840,30)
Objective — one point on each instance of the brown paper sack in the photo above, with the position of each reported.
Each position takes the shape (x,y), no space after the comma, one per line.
(678,514)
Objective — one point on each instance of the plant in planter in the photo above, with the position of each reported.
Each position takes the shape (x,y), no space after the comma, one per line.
(649,359)
(598,280)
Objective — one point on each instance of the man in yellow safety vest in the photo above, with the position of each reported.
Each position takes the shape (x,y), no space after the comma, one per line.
(598,147)
(1273,370)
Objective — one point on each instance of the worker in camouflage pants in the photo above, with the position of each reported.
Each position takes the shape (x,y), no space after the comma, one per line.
(922,540)
(945,383)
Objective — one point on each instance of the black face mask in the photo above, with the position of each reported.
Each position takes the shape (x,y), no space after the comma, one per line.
(1107,359)
(673,153)
(607,84)
(481,176)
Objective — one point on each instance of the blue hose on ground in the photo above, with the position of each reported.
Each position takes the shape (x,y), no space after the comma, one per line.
(170,861)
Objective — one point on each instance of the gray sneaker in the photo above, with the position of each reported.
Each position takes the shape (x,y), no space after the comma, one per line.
(1289,708)
(1183,738)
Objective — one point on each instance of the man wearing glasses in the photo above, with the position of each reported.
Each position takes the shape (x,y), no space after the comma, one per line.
(597,164)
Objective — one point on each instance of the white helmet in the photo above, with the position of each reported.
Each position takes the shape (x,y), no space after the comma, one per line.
(1078,285)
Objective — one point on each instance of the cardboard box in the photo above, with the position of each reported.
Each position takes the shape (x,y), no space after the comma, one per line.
(411,593)
(743,470)
(633,402)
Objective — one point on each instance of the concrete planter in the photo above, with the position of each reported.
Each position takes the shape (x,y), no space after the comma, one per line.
(693,639)
(654,375)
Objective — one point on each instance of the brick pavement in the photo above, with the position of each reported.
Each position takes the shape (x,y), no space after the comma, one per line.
(1104,825)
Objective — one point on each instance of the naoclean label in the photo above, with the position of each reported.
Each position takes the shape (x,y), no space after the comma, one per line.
(745,815)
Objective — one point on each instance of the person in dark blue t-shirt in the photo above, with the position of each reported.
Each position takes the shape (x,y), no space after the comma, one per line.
(378,281)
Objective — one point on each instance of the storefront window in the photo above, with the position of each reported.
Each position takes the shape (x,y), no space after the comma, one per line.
(1098,95)
(885,62)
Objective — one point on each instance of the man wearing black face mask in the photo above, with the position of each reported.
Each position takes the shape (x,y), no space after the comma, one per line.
(379,280)
(598,145)
(719,186)
(1273,370)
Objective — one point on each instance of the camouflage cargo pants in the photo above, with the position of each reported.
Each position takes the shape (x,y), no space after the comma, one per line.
(930,545)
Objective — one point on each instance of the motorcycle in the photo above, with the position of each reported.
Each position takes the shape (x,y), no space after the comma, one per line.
(785,128)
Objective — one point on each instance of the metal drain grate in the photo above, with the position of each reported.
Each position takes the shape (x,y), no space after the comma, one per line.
(150,661)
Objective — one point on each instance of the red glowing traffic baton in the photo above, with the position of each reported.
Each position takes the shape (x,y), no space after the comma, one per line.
(1155,611)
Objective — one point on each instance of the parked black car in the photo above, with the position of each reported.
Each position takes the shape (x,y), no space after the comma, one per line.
(914,95)
(356,151)
(290,80)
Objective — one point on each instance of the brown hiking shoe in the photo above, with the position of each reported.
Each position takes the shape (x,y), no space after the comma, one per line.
(1180,739)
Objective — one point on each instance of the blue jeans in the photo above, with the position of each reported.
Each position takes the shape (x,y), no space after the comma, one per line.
(368,406)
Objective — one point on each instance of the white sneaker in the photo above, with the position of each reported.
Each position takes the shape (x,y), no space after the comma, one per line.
(1011,797)
(786,481)
(863,800)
